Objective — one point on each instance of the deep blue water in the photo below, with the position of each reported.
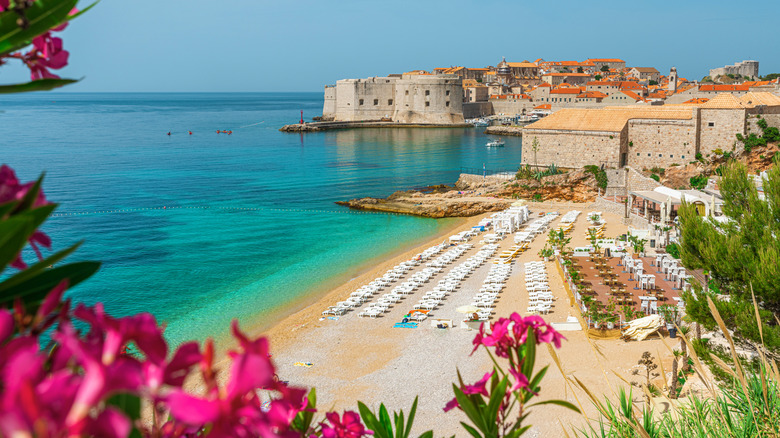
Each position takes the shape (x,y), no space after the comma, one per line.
(250,221)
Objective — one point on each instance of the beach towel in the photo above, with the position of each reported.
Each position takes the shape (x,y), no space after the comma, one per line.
(303,364)
(405,325)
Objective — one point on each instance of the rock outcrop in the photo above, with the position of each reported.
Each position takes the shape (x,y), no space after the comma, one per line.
(433,205)
(517,131)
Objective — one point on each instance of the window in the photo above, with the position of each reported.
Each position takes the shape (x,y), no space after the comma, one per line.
(711,124)
(671,156)
(427,104)
(637,154)
(660,155)
(447,104)
(682,156)
(648,155)
(389,101)
(376,101)
(407,92)
(448,92)
(427,92)
(360,102)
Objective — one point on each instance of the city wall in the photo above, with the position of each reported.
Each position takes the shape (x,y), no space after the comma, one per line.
(653,142)
(572,149)
(472,110)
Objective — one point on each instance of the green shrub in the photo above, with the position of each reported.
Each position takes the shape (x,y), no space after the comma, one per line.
(658,170)
(655,177)
(673,250)
(537,197)
(699,156)
(599,174)
(699,182)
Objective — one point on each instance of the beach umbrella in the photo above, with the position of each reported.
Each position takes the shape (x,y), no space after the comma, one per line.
(467,309)
(712,205)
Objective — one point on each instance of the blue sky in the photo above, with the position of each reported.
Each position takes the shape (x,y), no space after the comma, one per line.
(301,45)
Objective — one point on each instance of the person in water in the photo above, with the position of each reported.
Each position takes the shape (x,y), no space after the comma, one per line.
(169,132)
(217,131)
(190,132)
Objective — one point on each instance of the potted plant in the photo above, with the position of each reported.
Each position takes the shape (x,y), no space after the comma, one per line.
(638,245)
(575,276)
(596,219)
(628,312)
(669,312)
(546,253)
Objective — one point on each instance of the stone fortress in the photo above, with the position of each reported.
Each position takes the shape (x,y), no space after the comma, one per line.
(600,111)
(411,98)
(747,69)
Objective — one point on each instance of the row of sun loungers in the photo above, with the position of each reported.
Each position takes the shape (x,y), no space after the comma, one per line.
(538,287)
(450,283)
(386,301)
(364,293)
(492,286)
(570,217)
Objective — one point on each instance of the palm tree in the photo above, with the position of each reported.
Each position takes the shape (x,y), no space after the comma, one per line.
(683,333)
(675,377)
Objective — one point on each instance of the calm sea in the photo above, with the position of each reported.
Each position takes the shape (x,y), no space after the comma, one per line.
(249,222)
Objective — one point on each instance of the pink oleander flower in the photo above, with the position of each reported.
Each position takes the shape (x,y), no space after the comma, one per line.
(237,410)
(348,426)
(46,53)
(513,332)
(4,5)
(521,381)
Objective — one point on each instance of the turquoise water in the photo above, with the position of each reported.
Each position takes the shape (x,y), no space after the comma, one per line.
(250,221)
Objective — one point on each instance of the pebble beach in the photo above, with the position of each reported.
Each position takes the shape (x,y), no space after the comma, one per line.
(349,358)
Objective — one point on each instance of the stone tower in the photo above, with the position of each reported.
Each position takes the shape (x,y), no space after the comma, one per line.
(503,72)
(673,80)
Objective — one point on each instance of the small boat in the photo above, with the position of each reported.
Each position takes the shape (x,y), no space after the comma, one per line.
(481,123)
(495,144)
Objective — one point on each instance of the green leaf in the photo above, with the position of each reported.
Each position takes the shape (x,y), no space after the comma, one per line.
(14,233)
(494,405)
(428,434)
(7,208)
(38,85)
(468,407)
(530,353)
(412,413)
(130,405)
(42,16)
(303,419)
(517,432)
(35,289)
(563,403)
(384,420)
(372,422)
(470,430)
(37,268)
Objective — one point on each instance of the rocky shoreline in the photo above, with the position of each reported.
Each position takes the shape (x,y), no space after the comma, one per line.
(473,195)
(516,131)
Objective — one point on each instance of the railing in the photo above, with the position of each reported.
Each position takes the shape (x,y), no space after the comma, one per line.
(496,173)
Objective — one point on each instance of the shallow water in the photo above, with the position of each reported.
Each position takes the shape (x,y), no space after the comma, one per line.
(249,221)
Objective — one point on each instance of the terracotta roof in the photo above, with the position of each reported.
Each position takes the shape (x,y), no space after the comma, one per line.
(605,60)
(610,119)
(657,95)
(721,87)
(544,106)
(697,101)
(602,83)
(724,101)
(478,69)
(628,85)
(565,91)
(566,74)
(522,64)
(592,95)
(753,99)
(544,84)
(417,72)
(509,96)
(632,95)
(645,69)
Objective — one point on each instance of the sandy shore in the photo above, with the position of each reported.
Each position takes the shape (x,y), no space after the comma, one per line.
(368,360)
